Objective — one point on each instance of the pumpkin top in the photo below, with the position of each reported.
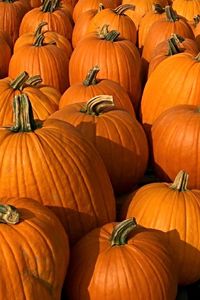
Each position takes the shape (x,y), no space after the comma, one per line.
(98,105)
(180,182)
(9,214)
(120,232)
(50,5)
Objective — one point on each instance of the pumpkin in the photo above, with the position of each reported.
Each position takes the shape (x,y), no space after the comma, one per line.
(91,86)
(119,60)
(57,19)
(115,134)
(81,25)
(68,186)
(123,261)
(142,7)
(174,45)
(161,30)
(84,5)
(44,102)
(35,3)
(174,209)
(5,56)
(49,36)
(11,14)
(116,19)
(46,60)
(179,124)
(179,85)
(34,248)
(187,9)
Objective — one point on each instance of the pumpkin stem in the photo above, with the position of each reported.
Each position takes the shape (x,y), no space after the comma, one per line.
(172,16)
(50,5)
(197,57)
(23,115)
(157,8)
(97,105)
(9,214)
(107,35)
(122,8)
(180,182)
(101,7)
(91,76)
(173,43)
(38,30)
(18,82)
(34,80)
(196,20)
(39,41)
(121,231)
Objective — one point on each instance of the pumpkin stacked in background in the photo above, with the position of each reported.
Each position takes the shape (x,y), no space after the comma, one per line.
(35,250)
(115,134)
(119,60)
(44,99)
(5,55)
(91,86)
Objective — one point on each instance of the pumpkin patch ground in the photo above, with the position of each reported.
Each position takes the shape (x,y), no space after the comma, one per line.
(99,149)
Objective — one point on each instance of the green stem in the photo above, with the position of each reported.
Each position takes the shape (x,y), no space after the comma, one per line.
(112,36)
(173,45)
(121,231)
(101,7)
(34,80)
(180,182)
(50,5)
(171,14)
(122,8)
(196,20)
(197,57)
(39,41)
(18,82)
(23,115)
(39,28)
(157,8)
(97,105)
(9,214)
(91,76)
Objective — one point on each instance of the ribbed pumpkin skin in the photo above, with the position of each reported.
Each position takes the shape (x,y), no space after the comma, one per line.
(78,92)
(179,85)
(115,135)
(119,22)
(11,15)
(28,39)
(187,9)
(84,5)
(58,21)
(48,61)
(144,6)
(140,269)
(34,253)
(118,61)
(44,101)
(68,186)
(180,127)
(157,206)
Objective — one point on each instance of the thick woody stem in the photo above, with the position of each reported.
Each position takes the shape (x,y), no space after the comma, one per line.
(97,105)
(180,182)
(121,231)
(91,76)
(9,214)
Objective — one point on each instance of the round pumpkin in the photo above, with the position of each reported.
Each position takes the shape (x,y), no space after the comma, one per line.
(34,248)
(123,261)
(174,209)
(52,163)
(115,134)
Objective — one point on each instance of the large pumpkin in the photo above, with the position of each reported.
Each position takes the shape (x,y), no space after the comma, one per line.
(123,261)
(115,134)
(34,250)
(52,163)
(174,209)
(91,86)
(118,60)
(180,147)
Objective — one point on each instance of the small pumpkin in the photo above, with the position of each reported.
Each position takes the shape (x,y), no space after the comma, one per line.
(174,209)
(123,261)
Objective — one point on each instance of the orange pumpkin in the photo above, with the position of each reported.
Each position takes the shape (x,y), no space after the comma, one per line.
(44,101)
(187,9)
(123,261)
(115,134)
(174,209)
(119,60)
(91,86)
(142,7)
(68,186)
(5,56)
(35,250)
(46,60)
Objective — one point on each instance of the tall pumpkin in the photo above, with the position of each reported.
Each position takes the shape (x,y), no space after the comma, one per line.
(46,60)
(123,261)
(174,209)
(34,248)
(115,134)
(58,170)
(91,86)
(119,60)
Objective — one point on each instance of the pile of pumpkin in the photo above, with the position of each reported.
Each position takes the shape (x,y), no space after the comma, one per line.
(99,149)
